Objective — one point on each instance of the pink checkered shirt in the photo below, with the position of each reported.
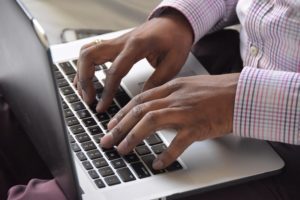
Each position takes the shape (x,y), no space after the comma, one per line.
(267,103)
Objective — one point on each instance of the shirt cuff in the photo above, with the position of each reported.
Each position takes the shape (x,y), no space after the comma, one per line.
(201,14)
(267,105)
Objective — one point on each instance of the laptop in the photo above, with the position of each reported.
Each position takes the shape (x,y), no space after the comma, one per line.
(36,80)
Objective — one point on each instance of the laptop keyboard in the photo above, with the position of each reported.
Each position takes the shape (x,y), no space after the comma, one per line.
(105,167)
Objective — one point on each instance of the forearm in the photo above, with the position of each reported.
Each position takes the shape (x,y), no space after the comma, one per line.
(267,105)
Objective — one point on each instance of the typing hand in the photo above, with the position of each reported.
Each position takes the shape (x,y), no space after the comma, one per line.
(164,41)
(198,107)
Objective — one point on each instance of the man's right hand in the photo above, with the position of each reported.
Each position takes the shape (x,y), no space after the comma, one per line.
(165,41)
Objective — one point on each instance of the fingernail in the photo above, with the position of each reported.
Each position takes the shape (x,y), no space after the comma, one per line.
(157,164)
(107,141)
(112,123)
(123,146)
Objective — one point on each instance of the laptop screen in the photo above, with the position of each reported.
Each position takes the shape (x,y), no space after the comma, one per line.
(26,79)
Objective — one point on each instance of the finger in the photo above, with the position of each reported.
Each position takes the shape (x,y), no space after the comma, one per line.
(164,72)
(151,122)
(149,95)
(130,120)
(90,56)
(119,68)
(176,148)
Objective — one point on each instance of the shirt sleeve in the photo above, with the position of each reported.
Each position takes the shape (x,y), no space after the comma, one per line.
(267,105)
(204,15)
(36,190)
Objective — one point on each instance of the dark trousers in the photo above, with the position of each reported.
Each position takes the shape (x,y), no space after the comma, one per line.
(19,161)
(219,53)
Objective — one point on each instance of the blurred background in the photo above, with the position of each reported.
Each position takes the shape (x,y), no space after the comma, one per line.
(56,15)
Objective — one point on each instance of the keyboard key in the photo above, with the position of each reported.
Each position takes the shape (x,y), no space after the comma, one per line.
(77,129)
(130,158)
(122,99)
(87,165)
(88,146)
(125,174)
(62,83)
(158,149)
(67,68)
(66,90)
(68,113)
(99,88)
(97,68)
(111,155)
(142,150)
(112,180)
(113,110)
(141,143)
(140,170)
(77,106)
(75,147)
(71,121)
(93,174)
(71,139)
(100,162)
(104,67)
(95,79)
(98,137)
(80,155)
(99,183)
(153,139)
(94,154)
(71,77)
(148,160)
(83,137)
(55,68)
(104,124)
(174,166)
(93,106)
(72,98)
(102,117)
(58,75)
(83,114)
(95,130)
(118,163)
(64,105)
(89,122)
(75,62)
(106,171)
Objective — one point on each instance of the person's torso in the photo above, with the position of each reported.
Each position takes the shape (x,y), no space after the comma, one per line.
(270,35)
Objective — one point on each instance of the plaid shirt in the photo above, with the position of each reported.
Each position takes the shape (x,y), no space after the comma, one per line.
(267,103)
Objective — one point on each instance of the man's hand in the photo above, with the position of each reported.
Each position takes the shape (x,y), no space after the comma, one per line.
(164,41)
(198,107)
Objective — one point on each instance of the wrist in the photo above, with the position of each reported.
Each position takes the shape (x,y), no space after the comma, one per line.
(180,20)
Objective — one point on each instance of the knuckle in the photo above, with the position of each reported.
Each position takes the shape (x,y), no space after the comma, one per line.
(119,115)
(85,54)
(174,84)
(151,117)
(138,99)
(116,133)
(137,111)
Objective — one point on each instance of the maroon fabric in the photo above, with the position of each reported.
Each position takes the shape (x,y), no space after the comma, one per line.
(36,190)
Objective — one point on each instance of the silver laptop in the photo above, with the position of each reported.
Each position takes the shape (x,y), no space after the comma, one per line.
(37,81)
